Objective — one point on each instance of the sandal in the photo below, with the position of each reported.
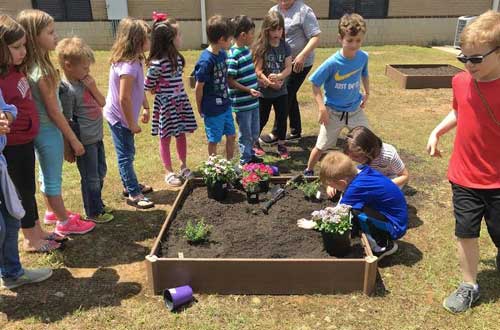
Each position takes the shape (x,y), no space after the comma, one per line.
(172,180)
(141,203)
(186,173)
(56,237)
(46,247)
(144,190)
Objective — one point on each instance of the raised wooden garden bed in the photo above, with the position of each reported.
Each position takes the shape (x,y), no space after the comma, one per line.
(413,76)
(210,268)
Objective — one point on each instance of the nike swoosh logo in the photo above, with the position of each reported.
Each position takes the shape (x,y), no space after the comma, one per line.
(339,77)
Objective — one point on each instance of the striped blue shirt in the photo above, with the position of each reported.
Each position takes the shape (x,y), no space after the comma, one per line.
(241,68)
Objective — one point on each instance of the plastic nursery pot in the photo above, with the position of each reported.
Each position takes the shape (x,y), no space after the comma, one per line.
(252,197)
(176,297)
(337,245)
(264,186)
(217,191)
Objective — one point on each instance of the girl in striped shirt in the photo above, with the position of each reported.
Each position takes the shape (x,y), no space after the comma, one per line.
(172,111)
(364,147)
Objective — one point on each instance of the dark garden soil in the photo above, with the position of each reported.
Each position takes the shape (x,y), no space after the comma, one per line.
(242,230)
(444,70)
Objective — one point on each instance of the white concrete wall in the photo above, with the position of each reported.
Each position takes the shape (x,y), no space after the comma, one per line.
(404,31)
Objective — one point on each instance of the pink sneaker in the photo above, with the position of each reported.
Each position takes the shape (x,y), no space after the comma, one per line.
(50,218)
(74,226)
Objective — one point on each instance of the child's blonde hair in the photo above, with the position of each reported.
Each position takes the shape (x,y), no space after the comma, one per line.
(484,30)
(337,166)
(33,22)
(272,21)
(10,32)
(352,25)
(73,50)
(130,38)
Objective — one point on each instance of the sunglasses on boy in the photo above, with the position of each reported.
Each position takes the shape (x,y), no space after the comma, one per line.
(476,59)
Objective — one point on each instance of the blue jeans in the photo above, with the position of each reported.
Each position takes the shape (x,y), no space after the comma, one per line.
(249,129)
(10,265)
(92,167)
(123,139)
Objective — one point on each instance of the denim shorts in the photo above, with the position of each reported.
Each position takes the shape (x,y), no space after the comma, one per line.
(217,126)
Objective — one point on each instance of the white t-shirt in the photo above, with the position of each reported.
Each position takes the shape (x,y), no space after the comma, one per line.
(388,162)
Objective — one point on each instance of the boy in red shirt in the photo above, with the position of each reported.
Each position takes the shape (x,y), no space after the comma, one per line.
(474,169)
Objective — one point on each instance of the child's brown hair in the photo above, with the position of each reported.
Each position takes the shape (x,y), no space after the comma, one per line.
(337,166)
(352,25)
(484,30)
(10,32)
(73,50)
(162,43)
(219,27)
(362,141)
(33,22)
(272,21)
(131,36)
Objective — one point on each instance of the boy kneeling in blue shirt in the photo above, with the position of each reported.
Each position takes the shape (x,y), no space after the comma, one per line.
(378,205)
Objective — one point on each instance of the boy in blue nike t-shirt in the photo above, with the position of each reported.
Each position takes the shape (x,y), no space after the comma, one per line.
(341,75)
(377,204)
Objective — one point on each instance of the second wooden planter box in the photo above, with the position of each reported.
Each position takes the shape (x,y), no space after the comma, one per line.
(413,76)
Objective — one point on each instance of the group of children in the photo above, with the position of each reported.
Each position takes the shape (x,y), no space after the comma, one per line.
(63,119)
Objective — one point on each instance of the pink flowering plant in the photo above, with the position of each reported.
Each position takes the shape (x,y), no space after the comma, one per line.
(217,169)
(250,182)
(263,171)
(333,220)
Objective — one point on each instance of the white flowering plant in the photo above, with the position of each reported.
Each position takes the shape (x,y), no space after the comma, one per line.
(217,169)
(333,220)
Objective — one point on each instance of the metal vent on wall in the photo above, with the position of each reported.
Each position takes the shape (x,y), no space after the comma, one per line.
(462,22)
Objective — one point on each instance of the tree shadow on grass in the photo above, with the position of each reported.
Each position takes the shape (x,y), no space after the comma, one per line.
(407,255)
(63,295)
(125,240)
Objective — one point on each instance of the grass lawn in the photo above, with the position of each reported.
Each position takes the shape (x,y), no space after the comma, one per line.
(99,280)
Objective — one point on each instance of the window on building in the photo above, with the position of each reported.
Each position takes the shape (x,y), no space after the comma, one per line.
(366,8)
(66,10)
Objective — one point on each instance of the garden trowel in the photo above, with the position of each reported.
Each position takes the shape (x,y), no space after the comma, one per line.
(279,191)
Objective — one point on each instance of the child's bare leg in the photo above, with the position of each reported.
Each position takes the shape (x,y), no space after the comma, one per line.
(56,203)
(468,256)
(230,146)
(212,148)
(314,158)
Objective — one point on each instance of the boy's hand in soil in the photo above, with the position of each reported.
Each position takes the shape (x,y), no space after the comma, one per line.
(330,191)
(306,224)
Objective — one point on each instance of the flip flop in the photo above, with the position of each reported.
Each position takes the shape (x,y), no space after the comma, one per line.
(141,203)
(56,237)
(46,247)
(144,190)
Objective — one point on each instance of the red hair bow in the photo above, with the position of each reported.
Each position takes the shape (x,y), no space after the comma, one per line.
(158,17)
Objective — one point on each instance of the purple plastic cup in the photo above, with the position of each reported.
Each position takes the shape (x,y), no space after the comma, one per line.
(176,297)
(276,170)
